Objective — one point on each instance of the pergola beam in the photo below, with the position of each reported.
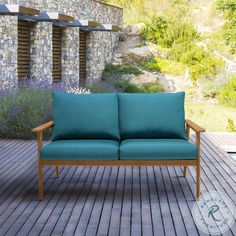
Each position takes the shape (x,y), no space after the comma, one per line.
(52,16)
(89,25)
(111,27)
(83,23)
(48,17)
(14,9)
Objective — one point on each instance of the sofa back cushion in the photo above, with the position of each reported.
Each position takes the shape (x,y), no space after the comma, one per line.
(85,116)
(159,115)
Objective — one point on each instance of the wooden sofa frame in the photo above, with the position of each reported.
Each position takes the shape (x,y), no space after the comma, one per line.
(185,163)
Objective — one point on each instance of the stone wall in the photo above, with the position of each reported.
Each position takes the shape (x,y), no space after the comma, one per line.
(100,48)
(70,54)
(41,51)
(8,52)
(100,45)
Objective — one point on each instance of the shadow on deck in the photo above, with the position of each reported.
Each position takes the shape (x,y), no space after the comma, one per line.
(106,200)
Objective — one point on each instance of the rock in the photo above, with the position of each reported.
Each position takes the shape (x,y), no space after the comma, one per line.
(173,83)
(133,29)
(144,78)
(117,61)
(138,54)
(170,83)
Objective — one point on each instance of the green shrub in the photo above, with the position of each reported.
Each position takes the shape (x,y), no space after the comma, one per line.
(231,127)
(113,75)
(151,66)
(97,88)
(123,85)
(201,63)
(228,7)
(155,30)
(165,65)
(153,88)
(164,31)
(23,110)
(170,67)
(122,69)
(180,37)
(228,93)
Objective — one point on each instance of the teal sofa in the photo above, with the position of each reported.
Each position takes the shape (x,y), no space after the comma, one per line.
(119,129)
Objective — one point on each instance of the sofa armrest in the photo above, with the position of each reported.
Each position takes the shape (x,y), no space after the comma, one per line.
(194,126)
(39,130)
(198,130)
(42,127)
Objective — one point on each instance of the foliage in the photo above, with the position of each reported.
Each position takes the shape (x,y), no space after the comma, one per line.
(216,42)
(137,11)
(181,39)
(97,88)
(29,105)
(23,110)
(228,7)
(231,127)
(153,88)
(151,65)
(121,84)
(122,69)
(201,63)
(117,76)
(170,67)
(165,65)
(114,76)
(228,93)
(167,31)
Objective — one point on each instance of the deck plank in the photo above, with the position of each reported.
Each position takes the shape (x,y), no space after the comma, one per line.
(95,216)
(136,214)
(80,177)
(125,225)
(114,228)
(103,227)
(81,201)
(108,200)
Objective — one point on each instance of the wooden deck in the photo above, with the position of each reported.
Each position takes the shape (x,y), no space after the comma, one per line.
(106,200)
(225,141)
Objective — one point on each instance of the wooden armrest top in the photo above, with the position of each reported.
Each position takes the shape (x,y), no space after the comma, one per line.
(43,127)
(194,126)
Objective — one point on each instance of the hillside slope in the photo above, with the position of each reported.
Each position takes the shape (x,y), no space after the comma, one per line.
(202,13)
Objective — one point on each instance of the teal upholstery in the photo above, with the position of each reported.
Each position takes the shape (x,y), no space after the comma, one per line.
(90,126)
(157,149)
(158,115)
(80,150)
(85,116)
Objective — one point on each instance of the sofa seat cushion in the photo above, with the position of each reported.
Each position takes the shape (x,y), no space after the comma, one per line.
(157,115)
(85,116)
(80,150)
(157,149)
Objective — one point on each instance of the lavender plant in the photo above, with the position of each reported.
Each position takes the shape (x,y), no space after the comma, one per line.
(29,105)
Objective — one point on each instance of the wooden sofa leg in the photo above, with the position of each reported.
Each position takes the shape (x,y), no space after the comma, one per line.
(57,171)
(198,180)
(185,171)
(40,180)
